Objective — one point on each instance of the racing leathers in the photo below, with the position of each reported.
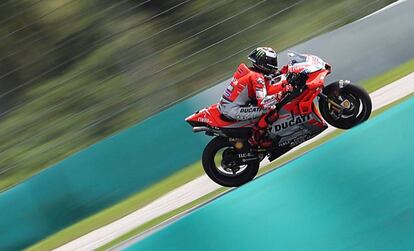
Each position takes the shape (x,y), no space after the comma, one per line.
(247,98)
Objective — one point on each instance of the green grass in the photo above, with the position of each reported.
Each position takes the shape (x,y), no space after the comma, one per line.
(145,197)
(377,82)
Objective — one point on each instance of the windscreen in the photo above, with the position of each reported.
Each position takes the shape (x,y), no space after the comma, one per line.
(304,63)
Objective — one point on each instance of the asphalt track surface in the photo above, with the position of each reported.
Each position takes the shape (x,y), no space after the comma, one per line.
(352,193)
(391,28)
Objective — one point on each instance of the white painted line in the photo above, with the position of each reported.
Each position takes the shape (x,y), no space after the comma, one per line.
(383,9)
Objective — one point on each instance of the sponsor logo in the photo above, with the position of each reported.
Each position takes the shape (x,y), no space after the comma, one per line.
(298,140)
(250,109)
(294,121)
(249,159)
(204,120)
(299,68)
(295,141)
(260,80)
(245,155)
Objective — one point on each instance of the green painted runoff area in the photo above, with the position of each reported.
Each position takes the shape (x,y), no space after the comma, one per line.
(352,193)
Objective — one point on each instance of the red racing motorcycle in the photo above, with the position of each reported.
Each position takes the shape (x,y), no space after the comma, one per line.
(229,160)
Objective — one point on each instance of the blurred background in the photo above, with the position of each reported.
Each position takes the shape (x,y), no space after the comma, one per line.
(73,72)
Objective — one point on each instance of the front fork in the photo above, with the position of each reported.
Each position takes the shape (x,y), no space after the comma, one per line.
(338,108)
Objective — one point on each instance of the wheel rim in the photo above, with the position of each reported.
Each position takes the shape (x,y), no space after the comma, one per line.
(227,170)
(352,107)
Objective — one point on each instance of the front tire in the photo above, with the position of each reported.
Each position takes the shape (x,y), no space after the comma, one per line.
(213,171)
(358,102)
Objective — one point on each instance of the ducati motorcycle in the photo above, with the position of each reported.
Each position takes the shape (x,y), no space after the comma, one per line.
(229,160)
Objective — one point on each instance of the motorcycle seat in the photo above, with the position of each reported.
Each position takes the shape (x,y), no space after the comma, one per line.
(227,119)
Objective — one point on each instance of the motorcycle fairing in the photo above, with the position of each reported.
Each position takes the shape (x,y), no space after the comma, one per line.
(305,63)
(293,128)
(212,117)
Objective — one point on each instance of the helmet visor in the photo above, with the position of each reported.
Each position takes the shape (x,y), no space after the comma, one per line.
(271,62)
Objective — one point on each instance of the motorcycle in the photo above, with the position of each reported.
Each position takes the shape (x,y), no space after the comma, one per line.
(229,160)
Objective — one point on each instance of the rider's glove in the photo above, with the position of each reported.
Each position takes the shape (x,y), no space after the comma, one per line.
(292,78)
(287,88)
(296,79)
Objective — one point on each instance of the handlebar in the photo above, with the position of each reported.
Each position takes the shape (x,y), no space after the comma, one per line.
(297,79)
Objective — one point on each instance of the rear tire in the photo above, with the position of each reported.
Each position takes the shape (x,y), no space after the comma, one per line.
(213,172)
(360,102)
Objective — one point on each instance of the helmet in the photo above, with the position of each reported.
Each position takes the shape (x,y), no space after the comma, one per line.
(264,59)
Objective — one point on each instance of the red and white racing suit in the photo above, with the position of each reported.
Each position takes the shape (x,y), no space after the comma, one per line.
(245,98)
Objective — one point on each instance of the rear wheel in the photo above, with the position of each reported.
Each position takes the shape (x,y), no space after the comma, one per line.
(346,106)
(224,172)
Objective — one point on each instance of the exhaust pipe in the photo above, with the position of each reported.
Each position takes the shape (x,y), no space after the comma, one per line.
(209,131)
(201,129)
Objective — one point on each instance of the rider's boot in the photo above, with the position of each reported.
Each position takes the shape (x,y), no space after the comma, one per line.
(259,137)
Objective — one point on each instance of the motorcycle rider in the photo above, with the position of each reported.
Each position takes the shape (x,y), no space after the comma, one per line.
(247,98)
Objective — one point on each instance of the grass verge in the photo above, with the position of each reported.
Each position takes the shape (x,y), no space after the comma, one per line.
(145,197)
(390,76)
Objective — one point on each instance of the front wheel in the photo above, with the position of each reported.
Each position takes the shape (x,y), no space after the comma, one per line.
(214,159)
(346,105)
